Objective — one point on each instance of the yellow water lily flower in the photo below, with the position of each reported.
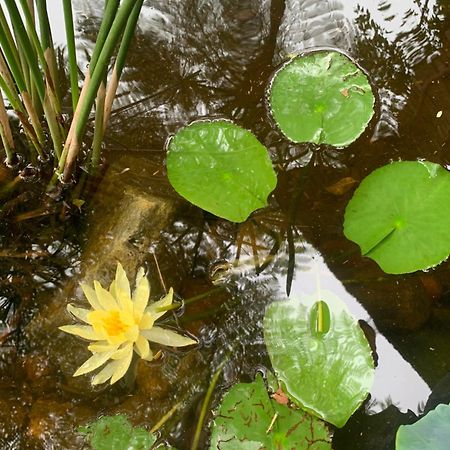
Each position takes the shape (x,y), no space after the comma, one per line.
(121,323)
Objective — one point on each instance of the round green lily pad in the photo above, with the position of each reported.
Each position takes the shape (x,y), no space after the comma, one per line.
(323,98)
(248,419)
(328,373)
(400,216)
(431,432)
(116,432)
(221,168)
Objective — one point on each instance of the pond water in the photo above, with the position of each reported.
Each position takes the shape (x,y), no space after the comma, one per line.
(213,58)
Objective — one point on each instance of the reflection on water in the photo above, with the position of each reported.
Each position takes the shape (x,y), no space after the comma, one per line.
(214,58)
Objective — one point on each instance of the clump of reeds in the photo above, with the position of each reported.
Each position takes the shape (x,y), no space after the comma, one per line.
(29,82)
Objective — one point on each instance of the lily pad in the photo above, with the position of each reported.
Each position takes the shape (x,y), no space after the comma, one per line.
(323,98)
(400,216)
(326,368)
(248,419)
(221,168)
(431,432)
(117,433)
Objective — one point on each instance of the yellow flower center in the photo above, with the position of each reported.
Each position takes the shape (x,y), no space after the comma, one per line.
(112,323)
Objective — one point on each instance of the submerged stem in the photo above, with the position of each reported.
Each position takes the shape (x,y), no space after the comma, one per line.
(205,405)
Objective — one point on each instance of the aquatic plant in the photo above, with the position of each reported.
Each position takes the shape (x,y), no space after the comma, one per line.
(320,355)
(30,81)
(220,167)
(120,323)
(321,97)
(431,432)
(400,216)
(116,432)
(249,418)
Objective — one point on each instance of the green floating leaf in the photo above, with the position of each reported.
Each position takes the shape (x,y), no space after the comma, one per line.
(221,168)
(116,433)
(400,216)
(431,432)
(323,98)
(248,419)
(327,373)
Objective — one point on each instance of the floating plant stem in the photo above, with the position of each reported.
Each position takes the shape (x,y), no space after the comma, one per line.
(205,404)
(165,418)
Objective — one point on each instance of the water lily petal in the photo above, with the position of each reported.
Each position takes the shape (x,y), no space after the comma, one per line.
(167,337)
(79,313)
(91,296)
(131,334)
(124,301)
(105,299)
(153,309)
(95,361)
(147,321)
(106,373)
(140,297)
(150,356)
(122,366)
(122,280)
(122,352)
(84,331)
(112,289)
(142,347)
(102,346)
(140,274)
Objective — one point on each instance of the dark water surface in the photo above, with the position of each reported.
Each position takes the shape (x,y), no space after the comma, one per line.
(213,58)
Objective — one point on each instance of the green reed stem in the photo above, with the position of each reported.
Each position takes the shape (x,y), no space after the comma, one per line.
(53,126)
(35,134)
(98,129)
(71,50)
(49,51)
(127,37)
(8,86)
(99,71)
(205,404)
(5,132)
(47,96)
(24,42)
(8,41)
(109,16)
(121,58)
(10,51)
